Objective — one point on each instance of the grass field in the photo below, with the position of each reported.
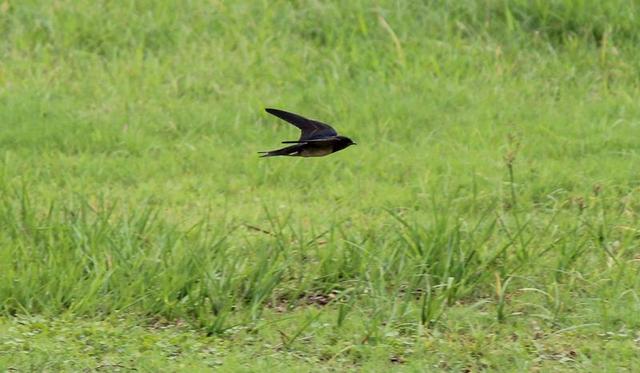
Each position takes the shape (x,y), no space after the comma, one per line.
(487,220)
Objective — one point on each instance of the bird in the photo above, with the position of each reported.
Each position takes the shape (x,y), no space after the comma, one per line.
(317,139)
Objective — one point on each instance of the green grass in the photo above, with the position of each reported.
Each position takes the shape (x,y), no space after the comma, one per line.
(488,218)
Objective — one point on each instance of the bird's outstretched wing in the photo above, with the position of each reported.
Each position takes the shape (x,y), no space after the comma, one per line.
(310,129)
(311,141)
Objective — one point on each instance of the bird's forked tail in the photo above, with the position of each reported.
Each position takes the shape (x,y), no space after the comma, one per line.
(289,150)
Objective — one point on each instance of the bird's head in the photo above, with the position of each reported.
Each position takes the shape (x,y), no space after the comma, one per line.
(346,141)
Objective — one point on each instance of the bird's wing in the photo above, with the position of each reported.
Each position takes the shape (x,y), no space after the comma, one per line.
(310,141)
(311,129)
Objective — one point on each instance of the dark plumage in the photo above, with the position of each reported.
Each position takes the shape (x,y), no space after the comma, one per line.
(317,139)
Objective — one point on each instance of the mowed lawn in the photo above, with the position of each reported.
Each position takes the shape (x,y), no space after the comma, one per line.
(486,220)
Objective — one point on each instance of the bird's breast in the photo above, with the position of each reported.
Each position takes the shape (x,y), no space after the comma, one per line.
(316,151)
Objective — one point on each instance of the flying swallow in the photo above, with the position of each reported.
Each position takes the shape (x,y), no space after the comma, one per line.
(317,139)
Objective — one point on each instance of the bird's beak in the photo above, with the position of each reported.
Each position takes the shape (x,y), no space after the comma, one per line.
(353,143)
